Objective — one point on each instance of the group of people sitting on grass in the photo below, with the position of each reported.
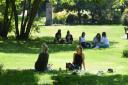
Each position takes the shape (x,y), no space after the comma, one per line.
(68,39)
(98,41)
(42,62)
(78,57)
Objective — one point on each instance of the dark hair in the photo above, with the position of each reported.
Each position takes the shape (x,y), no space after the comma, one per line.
(83,34)
(103,34)
(59,31)
(98,36)
(68,32)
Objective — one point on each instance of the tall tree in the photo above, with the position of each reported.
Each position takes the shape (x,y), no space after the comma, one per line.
(15,17)
(4,30)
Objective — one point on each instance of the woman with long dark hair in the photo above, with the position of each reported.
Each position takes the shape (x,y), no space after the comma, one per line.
(42,61)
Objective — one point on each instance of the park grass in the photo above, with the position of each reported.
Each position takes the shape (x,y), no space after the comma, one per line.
(18,58)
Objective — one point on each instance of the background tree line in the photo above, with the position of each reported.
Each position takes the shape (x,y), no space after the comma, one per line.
(65,12)
(9,15)
(89,11)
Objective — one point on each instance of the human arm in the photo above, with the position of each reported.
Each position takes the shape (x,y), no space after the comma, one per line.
(83,57)
(73,57)
(71,38)
(79,40)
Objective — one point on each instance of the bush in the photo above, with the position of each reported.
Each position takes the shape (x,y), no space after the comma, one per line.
(72,19)
(124,18)
(85,19)
(125,53)
(60,17)
(1,68)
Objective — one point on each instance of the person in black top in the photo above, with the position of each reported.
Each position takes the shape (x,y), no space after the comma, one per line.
(69,38)
(78,59)
(58,37)
(42,61)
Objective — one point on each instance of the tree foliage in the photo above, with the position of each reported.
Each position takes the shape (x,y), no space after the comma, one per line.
(11,9)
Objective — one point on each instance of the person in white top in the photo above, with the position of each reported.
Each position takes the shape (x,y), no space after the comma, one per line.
(104,41)
(83,42)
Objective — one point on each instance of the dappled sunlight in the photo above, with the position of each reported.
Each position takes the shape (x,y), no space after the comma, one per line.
(20,55)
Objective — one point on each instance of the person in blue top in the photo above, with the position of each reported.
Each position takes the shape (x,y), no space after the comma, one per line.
(104,41)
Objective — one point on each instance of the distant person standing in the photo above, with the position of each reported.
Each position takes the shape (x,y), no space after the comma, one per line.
(104,41)
(83,42)
(42,61)
(69,38)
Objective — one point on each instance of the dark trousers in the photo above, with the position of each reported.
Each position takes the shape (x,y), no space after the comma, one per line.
(85,45)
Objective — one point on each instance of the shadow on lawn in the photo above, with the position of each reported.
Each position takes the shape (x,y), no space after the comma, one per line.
(90,79)
(15,77)
(28,77)
(33,46)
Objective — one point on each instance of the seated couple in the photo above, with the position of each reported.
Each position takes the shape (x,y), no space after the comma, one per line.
(42,62)
(101,42)
(98,41)
(68,39)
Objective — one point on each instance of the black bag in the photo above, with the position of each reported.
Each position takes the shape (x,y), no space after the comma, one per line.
(69,66)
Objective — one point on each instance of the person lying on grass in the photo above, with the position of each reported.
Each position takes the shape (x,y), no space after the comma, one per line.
(42,61)
(78,60)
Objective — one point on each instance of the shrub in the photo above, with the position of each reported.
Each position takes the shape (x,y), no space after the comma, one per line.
(60,17)
(72,19)
(125,53)
(85,18)
(124,18)
(1,68)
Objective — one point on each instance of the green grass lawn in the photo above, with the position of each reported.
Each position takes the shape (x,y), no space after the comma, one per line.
(18,58)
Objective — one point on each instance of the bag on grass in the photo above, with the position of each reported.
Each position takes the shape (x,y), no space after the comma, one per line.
(69,66)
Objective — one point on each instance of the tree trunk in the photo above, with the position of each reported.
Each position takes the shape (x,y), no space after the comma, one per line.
(33,12)
(22,22)
(79,16)
(25,21)
(15,17)
(5,28)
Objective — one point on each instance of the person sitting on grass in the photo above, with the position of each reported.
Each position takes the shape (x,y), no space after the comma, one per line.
(78,60)
(69,38)
(97,41)
(42,61)
(58,37)
(104,41)
(83,42)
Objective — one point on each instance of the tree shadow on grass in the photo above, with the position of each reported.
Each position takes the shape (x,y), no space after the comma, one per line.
(89,79)
(28,77)
(18,77)
(33,46)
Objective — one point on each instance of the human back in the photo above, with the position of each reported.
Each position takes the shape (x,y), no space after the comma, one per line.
(42,61)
